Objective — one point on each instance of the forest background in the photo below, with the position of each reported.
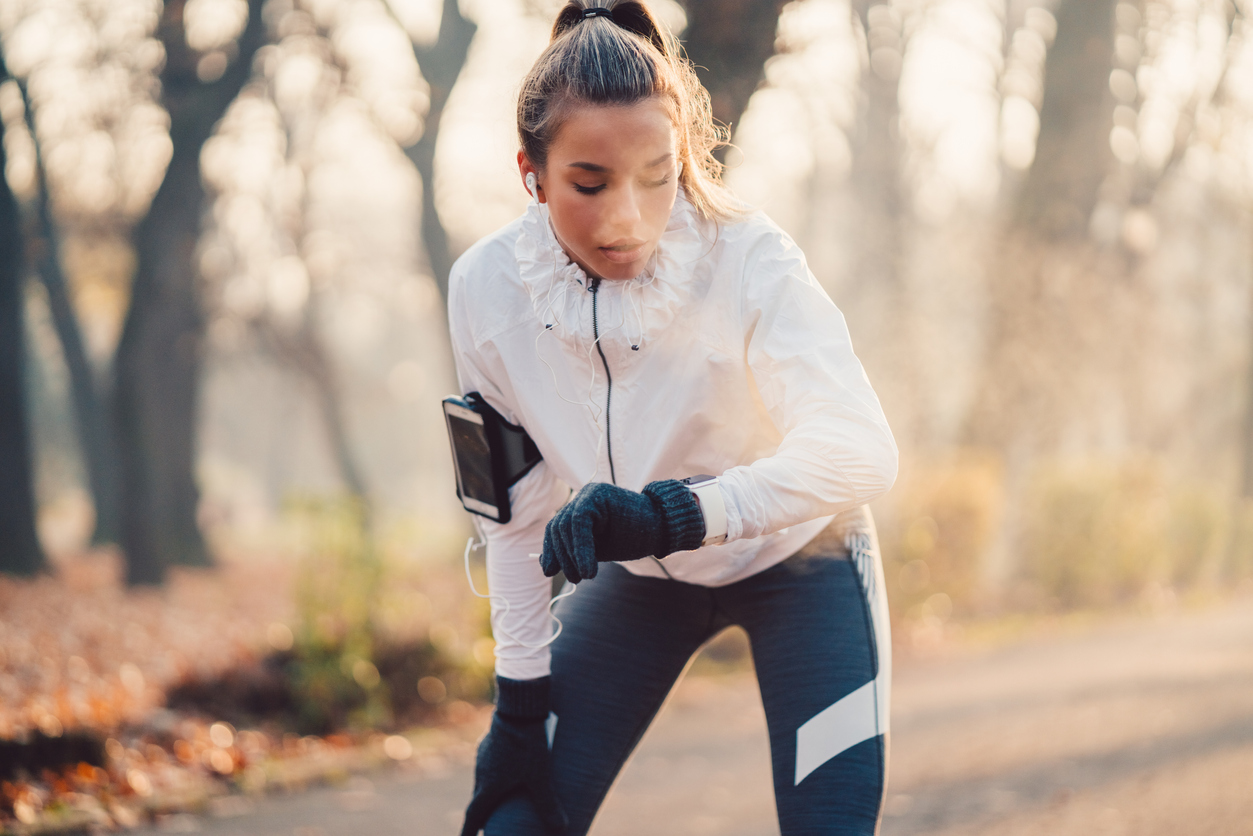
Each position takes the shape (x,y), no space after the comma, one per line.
(226,228)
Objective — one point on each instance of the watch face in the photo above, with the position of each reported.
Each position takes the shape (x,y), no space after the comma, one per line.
(695,481)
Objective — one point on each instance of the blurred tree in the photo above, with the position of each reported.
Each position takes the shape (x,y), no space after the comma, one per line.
(877,232)
(876,173)
(441,63)
(94,431)
(297,341)
(20,552)
(1072,153)
(1246,464)
(1049,286)
(301,348)
(1038,340)
(730,41)
(297,338)
(158,357)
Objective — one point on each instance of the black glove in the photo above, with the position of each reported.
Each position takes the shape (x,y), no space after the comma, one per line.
(605,522)
(513,757)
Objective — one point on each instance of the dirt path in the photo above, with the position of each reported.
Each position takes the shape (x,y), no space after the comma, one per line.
(1139,727)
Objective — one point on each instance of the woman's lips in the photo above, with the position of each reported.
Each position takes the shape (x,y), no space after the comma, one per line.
(620,255)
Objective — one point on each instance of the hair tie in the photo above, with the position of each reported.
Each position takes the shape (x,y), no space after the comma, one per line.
(597,12)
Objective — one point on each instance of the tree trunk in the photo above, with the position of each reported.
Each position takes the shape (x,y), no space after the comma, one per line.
(304,352)
(1072,153)
(441,64)
(876,229)
(158,357)
(1246,470)
(729,41)
(95,437)
(20,552)
(1047,279)
(298,345)
(876,174)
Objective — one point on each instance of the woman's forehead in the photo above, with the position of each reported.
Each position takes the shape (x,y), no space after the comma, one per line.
(608,138)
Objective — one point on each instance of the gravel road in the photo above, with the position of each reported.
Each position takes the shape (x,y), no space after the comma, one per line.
(1136,726)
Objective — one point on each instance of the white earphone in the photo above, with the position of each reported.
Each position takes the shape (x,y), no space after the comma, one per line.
(499,626)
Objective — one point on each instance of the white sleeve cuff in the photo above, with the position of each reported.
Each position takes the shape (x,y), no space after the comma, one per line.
(734,520)
(713,509)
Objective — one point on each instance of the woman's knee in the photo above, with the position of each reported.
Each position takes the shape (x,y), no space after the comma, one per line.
(843,797)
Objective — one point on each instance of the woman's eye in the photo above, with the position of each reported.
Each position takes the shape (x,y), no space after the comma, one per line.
(588,189)
(661,182)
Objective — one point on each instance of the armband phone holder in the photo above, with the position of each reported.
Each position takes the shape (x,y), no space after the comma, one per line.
(488,454)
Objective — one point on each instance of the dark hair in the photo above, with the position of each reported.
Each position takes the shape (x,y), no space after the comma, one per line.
(621,59)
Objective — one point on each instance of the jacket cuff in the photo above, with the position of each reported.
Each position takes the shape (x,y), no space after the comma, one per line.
(521,699)
(685,524)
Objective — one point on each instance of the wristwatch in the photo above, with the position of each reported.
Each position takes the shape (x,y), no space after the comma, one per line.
(712,508)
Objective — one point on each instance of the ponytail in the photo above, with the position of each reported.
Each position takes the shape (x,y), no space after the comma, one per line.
(631,16)
(620,55)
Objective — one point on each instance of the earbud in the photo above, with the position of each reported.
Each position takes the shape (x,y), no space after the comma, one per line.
(679,173)
(531,187)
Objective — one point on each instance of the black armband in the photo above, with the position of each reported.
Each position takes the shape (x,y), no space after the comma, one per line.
(489,455)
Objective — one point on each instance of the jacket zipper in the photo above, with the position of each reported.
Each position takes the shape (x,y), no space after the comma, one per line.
(594,287)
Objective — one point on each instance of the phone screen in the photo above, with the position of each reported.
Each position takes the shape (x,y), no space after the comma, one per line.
(474,460)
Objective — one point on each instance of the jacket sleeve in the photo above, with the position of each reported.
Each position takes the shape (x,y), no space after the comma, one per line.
(837,451)
(519,591)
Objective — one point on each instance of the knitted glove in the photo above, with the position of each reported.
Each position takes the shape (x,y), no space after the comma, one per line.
(513,757)
(605,522)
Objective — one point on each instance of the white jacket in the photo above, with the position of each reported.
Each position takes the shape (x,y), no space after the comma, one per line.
(726,357)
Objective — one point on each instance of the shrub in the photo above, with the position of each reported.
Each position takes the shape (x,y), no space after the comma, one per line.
(1090,533)
(346,668)
(1095,532)
(938,532)
(1102,532)
(1237,562)
(334,677)
(1198,530)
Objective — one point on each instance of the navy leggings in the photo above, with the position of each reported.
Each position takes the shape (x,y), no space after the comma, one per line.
(818,629)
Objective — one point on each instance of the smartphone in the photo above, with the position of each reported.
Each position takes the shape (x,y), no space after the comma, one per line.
(479,485)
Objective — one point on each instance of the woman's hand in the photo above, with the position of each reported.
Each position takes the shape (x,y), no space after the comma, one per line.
(514,757)
(605,522)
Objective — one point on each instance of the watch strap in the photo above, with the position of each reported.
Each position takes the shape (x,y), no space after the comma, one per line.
(712,507)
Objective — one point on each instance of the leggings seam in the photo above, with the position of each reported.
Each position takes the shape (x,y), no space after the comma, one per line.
(881,740)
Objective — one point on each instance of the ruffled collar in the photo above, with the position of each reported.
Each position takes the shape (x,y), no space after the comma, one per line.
(628,311)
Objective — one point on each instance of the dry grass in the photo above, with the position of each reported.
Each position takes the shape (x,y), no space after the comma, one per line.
(79,650)
(86,666)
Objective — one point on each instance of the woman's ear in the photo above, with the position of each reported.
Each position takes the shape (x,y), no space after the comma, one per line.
(530,178)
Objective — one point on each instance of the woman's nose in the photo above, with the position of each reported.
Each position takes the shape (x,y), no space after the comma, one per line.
(625,211)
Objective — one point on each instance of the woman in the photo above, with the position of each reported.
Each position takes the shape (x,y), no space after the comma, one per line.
(643,329)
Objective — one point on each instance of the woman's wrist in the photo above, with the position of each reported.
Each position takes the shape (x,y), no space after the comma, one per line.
(523,699)
(685,525)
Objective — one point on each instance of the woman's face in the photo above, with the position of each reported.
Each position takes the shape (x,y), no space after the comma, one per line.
(610,184)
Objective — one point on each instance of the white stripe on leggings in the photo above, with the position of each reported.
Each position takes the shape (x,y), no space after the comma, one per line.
(864,713)
(837,727)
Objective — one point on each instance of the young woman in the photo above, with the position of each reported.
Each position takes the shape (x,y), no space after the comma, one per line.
(643,328)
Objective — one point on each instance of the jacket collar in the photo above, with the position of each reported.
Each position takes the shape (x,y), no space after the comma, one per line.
(630,311)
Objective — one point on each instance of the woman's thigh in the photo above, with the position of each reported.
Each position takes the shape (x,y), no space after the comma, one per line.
(625,640)
(818,627)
